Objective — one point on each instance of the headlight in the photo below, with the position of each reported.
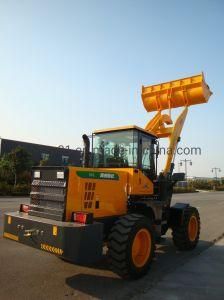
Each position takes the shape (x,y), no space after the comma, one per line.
(36,174)
(60,175)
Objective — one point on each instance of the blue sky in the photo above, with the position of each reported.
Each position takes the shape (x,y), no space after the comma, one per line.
(69,67)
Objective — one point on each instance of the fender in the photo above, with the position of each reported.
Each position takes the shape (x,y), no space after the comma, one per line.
(176,214)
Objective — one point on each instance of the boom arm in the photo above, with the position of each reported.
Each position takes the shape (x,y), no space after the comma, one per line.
(179,93)
(174,137)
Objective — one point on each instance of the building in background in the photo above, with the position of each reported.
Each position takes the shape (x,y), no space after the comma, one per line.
(55,156)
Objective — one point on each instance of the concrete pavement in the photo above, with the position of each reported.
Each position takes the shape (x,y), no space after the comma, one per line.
(200,278)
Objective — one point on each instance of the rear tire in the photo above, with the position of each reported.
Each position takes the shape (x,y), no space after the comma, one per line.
(131,246)
(186,235)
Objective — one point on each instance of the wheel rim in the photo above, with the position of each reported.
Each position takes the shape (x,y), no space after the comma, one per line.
(193,228)
(141,247)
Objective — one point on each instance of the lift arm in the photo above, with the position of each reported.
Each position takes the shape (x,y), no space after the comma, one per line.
(174,137)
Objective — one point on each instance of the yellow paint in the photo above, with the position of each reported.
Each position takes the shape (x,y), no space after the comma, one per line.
(157,125)
(55,230)
(141,248)
(193,228)
(177,93)
(111,194)
(173,138)
(51,249)
(122,128)
(74,193)
(9,219)
(138,183)
(11,236)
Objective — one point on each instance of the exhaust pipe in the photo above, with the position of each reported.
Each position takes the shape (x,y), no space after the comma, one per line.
(86,152)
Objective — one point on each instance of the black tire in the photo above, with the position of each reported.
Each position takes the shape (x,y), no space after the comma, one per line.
(120,243)
(181,235)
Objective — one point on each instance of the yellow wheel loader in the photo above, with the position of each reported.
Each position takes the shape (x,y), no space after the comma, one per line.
(116,199)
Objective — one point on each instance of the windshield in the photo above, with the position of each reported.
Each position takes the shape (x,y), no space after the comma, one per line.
(118,149)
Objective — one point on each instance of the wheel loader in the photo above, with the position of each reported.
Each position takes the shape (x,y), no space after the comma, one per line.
(116,199)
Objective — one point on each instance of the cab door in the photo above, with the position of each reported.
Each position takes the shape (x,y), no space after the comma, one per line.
(147,155)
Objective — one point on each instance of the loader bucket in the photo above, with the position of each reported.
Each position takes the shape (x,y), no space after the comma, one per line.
(178,93)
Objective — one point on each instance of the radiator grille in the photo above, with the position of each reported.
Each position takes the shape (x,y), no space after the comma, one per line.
(48,195)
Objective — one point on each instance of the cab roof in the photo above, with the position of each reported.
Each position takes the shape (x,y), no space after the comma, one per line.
(125,128)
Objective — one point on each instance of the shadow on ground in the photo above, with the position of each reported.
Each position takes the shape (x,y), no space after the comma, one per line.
(110,286)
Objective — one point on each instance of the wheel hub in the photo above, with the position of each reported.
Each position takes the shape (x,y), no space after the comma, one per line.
(193,228)
(141,248)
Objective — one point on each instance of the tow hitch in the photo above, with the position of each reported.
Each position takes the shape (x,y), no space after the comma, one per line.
(31,232)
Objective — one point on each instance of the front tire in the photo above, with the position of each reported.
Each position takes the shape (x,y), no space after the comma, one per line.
(186,235)
(131,246)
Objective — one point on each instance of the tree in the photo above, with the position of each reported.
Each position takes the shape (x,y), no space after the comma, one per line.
(6,169)
(19,161)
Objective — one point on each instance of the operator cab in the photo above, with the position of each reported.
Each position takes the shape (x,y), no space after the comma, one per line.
(125,147)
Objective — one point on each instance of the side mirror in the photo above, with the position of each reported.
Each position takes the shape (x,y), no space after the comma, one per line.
(178,177)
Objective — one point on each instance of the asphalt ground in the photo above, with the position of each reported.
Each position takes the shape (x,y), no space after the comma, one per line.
(201,278)
(28,273)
